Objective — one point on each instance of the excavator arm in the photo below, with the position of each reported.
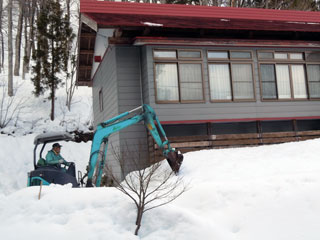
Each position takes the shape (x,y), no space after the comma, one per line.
(104,130)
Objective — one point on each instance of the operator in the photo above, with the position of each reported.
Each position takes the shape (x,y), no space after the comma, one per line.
(53,157)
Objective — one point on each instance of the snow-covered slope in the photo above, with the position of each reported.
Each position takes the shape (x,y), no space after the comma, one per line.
(267,192)
(32,115)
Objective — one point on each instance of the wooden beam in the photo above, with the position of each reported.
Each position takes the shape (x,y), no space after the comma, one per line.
(113,40)
(309,133)
(82,67)
(118,33)
(88,35)
(89,22)
(278,134)
(86,51)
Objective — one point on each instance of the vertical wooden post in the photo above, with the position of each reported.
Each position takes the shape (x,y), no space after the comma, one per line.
(40,190)
(259,131)
(295,129)
(209,132)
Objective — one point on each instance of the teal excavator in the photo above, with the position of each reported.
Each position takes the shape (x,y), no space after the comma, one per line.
(47,174)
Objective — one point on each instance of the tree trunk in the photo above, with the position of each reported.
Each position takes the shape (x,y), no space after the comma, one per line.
(29,10)
(2,45)
(138,221)
(18,39)
(26,42)
(52,80)
(52,103)
(10,64)
(267,4)
(31,23)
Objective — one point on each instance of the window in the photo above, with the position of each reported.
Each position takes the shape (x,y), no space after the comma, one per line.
(268,79)
(314,80)
(167,82)
(279,55)
(101,100)
(296,56)
(288,76)
(229,79)
(218,55)
(178,76)
(165,54)
(283,81)
(265,55)
(240,55)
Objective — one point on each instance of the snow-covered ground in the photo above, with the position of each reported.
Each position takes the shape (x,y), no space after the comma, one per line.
(266,192)
(32,115)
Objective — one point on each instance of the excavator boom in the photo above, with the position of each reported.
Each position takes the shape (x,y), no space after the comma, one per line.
(104,130)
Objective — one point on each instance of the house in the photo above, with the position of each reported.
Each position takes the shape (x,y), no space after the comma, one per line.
(216,76)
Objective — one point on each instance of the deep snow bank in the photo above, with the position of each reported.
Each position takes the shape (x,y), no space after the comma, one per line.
(267,192)
(16,159)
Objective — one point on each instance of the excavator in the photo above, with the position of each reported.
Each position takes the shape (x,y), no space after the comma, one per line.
(46,174)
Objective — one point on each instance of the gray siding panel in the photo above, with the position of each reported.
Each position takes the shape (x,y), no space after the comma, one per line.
(106,79)
(144,74)
(133,138)
(232,110)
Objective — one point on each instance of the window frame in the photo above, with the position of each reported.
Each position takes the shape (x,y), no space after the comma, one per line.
(230,61)
(178,61)
(290,63)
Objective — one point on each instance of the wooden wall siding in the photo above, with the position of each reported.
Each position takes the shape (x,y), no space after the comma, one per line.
(195,143)
(133,138)
(230,110)
(106,79)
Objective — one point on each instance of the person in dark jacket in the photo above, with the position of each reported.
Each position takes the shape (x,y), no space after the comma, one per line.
(54,157)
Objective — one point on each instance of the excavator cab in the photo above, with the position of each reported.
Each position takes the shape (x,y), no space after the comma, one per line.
(47,174)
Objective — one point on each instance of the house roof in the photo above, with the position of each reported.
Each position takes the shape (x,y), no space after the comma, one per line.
(126,14)
(179,19)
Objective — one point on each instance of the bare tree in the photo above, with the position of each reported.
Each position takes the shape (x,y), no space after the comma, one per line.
(18,39)
(71,81)
(10,64)
(9,106)
(1,33)
(148,188)
(71,77)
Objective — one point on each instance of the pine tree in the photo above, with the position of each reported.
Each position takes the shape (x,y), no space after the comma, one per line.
(52,50)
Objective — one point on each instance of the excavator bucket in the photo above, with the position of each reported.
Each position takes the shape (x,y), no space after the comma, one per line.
(175,160)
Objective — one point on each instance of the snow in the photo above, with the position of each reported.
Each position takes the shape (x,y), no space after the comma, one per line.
(17,159)
(33,113)
(152,24)
(265,192)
